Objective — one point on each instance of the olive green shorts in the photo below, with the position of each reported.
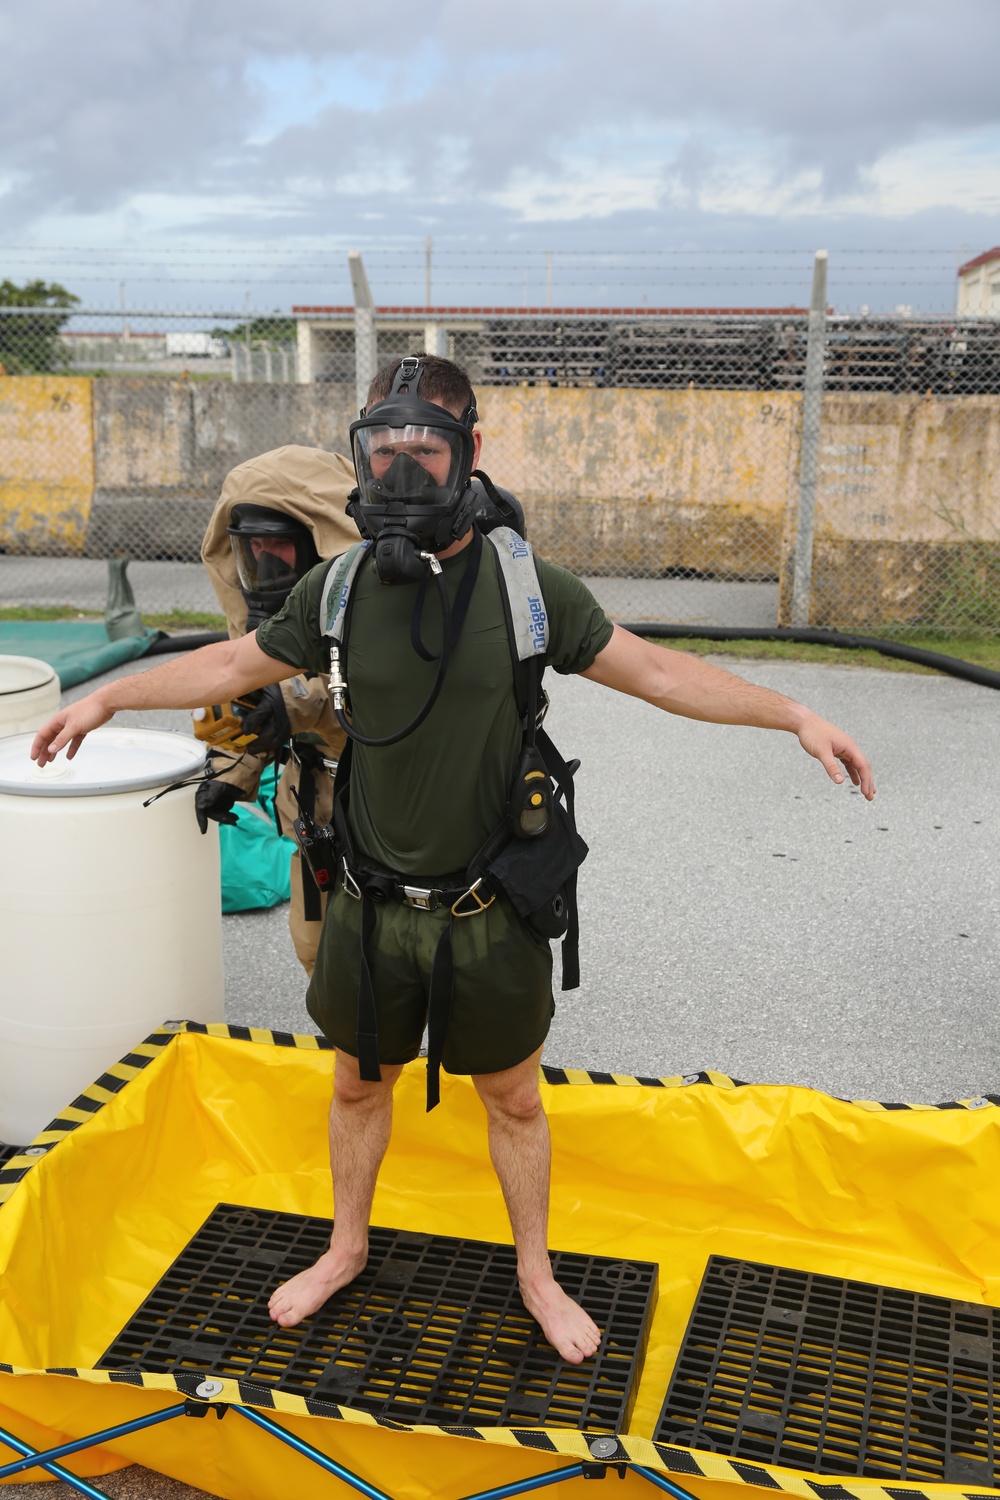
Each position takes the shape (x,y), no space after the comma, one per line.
(502,1004)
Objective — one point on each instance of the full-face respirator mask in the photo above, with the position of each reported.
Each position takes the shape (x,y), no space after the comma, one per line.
(272,552)
(413,462)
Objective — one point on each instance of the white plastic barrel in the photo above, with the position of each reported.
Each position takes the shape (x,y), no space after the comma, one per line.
(29,693)
(110,913)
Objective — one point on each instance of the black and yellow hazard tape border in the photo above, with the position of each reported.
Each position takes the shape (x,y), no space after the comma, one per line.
(110,1083)
(681,1463)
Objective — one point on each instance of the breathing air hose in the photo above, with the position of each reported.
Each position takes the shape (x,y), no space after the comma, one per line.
(967,670)
(338,686)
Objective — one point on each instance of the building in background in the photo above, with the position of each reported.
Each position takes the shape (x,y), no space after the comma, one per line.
(979,285)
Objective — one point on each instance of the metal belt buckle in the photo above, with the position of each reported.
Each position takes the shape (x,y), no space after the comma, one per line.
(472,894)
(420,897)
(350,884)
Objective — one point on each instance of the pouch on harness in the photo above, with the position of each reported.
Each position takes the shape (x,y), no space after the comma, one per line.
(531,858)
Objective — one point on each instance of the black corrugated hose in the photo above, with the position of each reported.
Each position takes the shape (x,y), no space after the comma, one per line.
(810,637)
(663,631)
(168,643)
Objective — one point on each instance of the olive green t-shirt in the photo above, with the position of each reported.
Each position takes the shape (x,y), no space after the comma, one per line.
(424,806)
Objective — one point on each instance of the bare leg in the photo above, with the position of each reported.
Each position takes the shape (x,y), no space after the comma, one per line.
(520,1153)
(360,1124)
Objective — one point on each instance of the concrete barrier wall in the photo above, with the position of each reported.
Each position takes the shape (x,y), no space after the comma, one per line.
(907,508)
(46,463)
(613,481)
(619,481)
(163,447)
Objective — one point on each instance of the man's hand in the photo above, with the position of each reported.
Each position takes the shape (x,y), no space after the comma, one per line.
(215,799)
(267,721)
(830,745)
(69,727)
(212,674)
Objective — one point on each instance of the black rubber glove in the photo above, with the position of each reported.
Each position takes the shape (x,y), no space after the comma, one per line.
(215,799)
(268,720)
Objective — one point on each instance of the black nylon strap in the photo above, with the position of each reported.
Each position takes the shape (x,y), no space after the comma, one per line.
(571,942)
(562,773)
(367,1038)
(439,997)
(463,599)
(312,904)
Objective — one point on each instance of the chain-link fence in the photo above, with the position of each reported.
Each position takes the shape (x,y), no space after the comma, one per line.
(742,467)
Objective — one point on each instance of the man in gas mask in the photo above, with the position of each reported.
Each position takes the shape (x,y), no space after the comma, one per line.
(425,627)
(277,517)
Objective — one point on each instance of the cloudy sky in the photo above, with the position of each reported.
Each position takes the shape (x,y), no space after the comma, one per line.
(703,147)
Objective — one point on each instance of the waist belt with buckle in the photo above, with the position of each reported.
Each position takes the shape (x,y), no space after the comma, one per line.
(374,888)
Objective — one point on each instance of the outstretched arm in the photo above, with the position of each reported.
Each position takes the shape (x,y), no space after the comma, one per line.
(686,685)
(213,674)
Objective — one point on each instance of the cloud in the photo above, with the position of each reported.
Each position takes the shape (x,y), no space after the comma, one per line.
(570,111)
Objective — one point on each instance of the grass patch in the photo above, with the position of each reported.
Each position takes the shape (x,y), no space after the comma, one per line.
(185,619)
(174,619)
(984,651)
(46,612)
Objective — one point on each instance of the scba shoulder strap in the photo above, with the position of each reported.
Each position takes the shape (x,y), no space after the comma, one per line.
(528,621)
(337,587)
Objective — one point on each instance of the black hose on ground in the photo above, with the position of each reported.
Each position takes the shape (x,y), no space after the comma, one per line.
(168,643)
(661,630)
(811,637)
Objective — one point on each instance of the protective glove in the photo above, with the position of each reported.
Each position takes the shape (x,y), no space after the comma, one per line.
(268,720)
(215,799)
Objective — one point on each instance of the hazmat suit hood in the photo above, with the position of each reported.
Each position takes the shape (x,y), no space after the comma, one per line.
(308,484)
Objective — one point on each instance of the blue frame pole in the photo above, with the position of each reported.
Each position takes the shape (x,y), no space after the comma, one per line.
(79,1444)
(667,1485)
(56,1470)
(521,1486)
(309,1452)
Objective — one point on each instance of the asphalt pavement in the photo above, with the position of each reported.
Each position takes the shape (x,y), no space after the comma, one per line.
(740,912)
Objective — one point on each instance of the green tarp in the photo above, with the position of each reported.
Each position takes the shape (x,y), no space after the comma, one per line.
(256,860)
(78,649)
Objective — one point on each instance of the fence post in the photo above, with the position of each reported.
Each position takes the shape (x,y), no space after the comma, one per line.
(812,400)
(436,339)
(365,339)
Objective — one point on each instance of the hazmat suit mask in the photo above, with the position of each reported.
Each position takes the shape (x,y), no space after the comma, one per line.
(272,552)
(413,462)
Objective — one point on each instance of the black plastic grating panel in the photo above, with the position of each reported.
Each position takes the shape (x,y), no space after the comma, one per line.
(836,1377)
(433,1330)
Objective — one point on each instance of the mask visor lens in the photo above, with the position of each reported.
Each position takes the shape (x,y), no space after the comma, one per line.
(410,465)
(269,563)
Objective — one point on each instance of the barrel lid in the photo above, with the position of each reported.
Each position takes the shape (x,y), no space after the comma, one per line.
(19,674)
(109,760)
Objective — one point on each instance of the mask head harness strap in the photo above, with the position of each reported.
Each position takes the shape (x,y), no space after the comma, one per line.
(406,382)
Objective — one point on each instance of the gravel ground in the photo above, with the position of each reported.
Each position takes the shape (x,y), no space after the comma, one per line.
(742,913)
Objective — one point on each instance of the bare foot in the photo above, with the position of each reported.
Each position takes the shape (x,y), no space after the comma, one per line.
(564,1323)
(302,1295)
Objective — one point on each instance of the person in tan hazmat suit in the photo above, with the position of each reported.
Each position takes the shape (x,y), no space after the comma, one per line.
(278,516)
